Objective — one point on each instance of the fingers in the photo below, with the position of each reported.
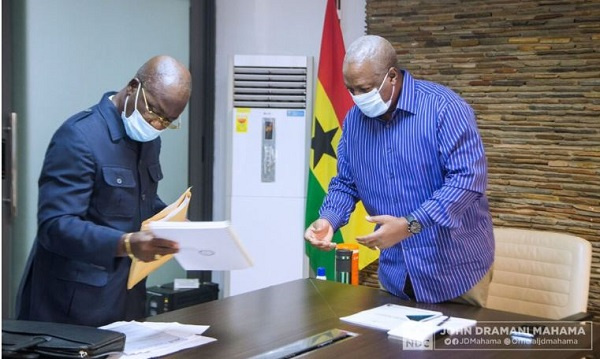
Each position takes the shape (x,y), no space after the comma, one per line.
(379,219)
(320,234)
(319,230)
(386,235)
(322,245)
(148,248)
(164,243)
(372,241)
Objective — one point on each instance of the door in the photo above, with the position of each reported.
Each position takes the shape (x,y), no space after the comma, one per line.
(8,159)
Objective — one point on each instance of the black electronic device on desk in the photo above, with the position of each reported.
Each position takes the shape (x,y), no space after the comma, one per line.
(164,298)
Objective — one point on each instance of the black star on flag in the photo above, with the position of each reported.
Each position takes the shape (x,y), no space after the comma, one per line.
(321,143)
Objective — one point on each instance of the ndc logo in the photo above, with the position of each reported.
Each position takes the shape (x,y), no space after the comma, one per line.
(409,344)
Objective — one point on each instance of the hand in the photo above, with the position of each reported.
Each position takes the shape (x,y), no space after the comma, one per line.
(392,230)
(146,247)
(320,234)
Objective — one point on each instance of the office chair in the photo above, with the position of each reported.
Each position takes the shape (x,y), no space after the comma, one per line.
(540,273)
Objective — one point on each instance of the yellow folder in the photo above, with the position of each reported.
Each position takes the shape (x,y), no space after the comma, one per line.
(176,211)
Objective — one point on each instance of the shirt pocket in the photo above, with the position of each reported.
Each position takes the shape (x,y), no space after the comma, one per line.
(117,194)
(155,172)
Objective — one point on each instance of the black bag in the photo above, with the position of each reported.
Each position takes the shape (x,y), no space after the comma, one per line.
(25,339)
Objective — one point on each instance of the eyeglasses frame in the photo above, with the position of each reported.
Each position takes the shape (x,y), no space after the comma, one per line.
(164,122)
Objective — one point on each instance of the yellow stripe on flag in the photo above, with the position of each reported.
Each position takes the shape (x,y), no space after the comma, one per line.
(358,226)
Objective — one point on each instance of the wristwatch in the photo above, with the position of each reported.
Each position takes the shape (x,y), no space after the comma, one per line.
(414,226)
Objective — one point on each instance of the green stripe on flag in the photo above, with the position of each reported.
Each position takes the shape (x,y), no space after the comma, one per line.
(319,258)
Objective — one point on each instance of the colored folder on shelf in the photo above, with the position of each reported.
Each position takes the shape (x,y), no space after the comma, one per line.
(175,212)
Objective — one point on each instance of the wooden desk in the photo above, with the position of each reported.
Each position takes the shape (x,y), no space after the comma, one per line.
(257,322)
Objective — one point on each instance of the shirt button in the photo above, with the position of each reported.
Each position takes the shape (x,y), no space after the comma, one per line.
(143,197)
(119,180)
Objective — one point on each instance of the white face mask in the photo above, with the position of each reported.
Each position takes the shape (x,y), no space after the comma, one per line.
(137,128)
(371,104)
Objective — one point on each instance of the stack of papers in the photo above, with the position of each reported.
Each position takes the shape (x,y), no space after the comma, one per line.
(420,331)
(407,322)
(150,340)
(204,245)
(175,212)
(388,316)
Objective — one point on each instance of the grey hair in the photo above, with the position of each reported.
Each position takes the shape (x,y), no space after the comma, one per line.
(372,48)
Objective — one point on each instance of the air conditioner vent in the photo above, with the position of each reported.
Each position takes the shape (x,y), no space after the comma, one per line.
(269,87)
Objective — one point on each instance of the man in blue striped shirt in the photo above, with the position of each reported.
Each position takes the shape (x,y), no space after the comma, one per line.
(411,151)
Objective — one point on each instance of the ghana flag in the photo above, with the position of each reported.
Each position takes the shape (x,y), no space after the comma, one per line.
(332,102)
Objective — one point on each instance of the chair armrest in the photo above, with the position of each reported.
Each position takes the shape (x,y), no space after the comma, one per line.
(578,317)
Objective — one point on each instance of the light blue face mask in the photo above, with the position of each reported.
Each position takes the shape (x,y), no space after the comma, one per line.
(371,104)
(137,128)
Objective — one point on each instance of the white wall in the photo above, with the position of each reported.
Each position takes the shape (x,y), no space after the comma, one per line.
(352,19)
(265,27)
(70,52)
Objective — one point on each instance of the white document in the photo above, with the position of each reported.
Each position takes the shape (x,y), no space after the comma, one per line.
(414,330)
(407,322)
(150,339)
(389,316)
(424,330)
(204,245)
(455,324)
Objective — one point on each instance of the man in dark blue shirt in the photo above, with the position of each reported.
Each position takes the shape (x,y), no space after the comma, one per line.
(98,183)
(411,151)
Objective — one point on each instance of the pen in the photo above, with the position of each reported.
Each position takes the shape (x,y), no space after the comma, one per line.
(443,321)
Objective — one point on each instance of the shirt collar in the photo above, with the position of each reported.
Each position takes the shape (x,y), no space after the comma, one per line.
(112,116)
(407,101)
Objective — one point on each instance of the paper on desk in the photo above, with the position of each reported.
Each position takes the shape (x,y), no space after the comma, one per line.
(455,324)
(387,316)
(420,331)
(204,245)
(153,339)
(175,212)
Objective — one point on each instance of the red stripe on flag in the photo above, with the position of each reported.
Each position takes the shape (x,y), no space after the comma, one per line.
(330,63)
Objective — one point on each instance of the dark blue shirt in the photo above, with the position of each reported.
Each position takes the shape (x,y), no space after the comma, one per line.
(428,160)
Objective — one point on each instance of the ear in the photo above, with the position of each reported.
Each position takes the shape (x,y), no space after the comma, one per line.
(132,86)
(393,74)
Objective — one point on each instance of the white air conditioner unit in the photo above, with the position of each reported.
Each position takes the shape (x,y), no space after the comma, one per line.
(271,113)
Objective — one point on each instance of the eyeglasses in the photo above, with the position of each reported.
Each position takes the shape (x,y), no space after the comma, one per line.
(164,121)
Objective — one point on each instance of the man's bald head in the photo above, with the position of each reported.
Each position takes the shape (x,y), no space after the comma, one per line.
(161,72)
(168,82)
(374,50)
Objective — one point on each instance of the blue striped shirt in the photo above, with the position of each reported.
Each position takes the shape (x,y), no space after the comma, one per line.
(428,161)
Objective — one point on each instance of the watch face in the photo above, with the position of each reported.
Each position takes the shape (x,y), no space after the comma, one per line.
(414,227)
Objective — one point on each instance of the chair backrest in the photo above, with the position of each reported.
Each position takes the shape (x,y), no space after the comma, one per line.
(540,273)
